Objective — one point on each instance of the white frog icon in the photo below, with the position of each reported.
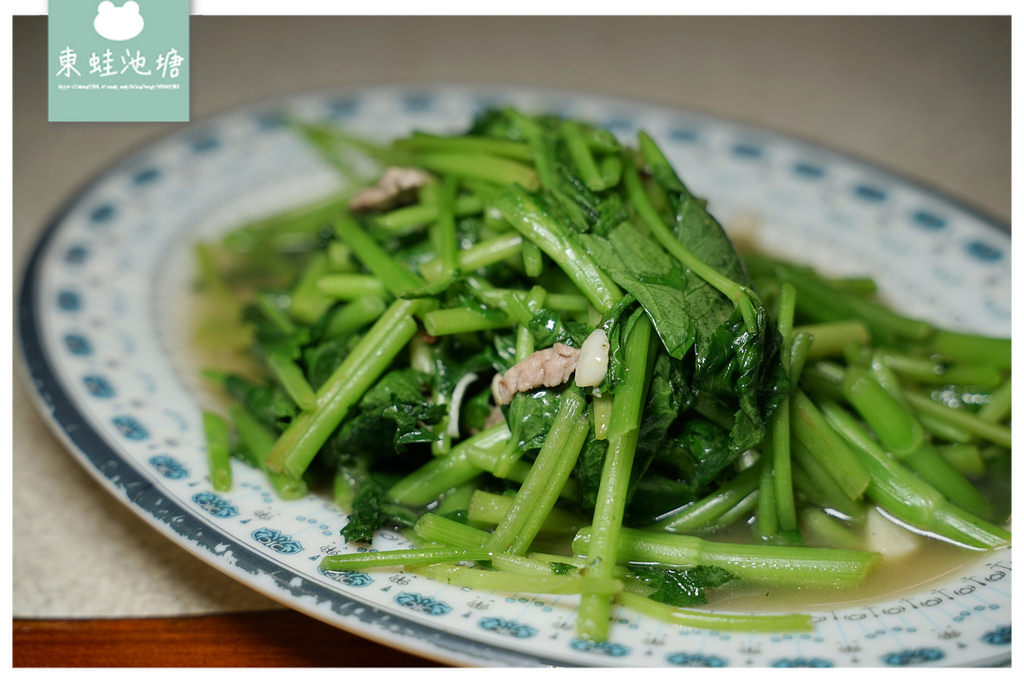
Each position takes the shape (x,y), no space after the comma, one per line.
(118,23)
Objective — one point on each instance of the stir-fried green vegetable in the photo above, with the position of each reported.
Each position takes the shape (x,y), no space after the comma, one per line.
(538,352)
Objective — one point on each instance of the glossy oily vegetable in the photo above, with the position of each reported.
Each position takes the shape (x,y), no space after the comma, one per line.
(739,390)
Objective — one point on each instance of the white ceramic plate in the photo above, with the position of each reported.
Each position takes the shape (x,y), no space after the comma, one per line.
(101,320)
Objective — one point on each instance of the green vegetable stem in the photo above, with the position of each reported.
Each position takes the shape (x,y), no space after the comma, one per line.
(523,212)
(765,564)
(903,436)
(907,497)
(592,620)
(218,449)
(706,395)
(299,444)
(549,473)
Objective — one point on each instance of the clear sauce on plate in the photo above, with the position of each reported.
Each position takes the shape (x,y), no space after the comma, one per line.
(932,564)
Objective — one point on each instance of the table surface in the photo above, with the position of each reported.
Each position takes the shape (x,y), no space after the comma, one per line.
(272,638)
(925,97)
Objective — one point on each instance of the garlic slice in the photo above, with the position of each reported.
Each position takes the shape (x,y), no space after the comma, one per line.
(593,363)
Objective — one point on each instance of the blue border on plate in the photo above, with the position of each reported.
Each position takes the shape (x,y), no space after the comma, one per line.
(170,518)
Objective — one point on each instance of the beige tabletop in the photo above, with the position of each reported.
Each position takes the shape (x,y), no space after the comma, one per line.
(926,97)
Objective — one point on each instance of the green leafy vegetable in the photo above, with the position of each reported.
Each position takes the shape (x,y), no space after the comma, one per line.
(680,587)
(371,340)
(395,412)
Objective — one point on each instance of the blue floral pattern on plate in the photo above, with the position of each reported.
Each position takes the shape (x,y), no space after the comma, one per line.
(803,662)
(168,467)
(349,578)
(695,660)
(277,541)
(130,427)
(102,301)
(921,655)
(215,505)
(423,603)
(605,648)
(1000,636)
(98,386)
(508,627)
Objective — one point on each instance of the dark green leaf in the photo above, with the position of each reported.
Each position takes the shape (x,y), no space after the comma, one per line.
(268,404)
(455,357)
(395,412)
(367,514)
(529,416)
(675,303)
(271,339)
(655,494)
(743,366)
(709,448)
(668,396)
(322,360)
(548,327)
(588,471)
(611,213)
(476,410)
(680,587)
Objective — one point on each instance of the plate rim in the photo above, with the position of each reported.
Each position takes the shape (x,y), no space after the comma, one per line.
(199,537)
(128,485)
